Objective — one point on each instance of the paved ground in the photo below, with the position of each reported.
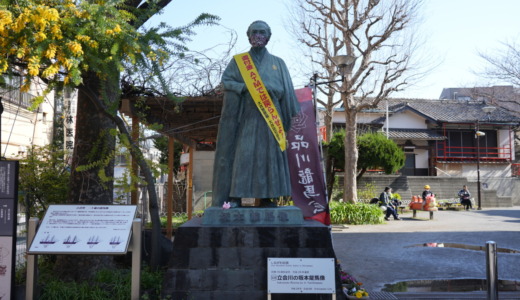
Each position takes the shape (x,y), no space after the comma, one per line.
(393,252)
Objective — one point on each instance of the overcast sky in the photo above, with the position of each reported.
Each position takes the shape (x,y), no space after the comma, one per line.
(455,30)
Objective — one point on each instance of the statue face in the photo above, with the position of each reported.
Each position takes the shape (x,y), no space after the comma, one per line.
(258,35)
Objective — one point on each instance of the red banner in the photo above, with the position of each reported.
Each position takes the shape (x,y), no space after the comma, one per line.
(307,180)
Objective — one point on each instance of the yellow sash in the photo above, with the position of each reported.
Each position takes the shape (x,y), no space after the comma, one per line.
(261,97)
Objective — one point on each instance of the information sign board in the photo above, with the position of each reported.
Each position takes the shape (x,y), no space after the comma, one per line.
(6,266)
(8,179)
(300,276)
(89,229)
(7,217)
(8,211)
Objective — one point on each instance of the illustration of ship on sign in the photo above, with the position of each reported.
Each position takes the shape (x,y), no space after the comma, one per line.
(71,240)
(114,241)
(48,240)
(93,240)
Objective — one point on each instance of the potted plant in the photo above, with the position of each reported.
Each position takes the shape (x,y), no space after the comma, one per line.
(351,287)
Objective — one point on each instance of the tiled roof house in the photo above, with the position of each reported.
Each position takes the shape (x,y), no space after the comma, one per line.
(438,136)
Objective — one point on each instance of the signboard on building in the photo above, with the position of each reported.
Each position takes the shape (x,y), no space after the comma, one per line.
(89,229)
(300,276)
(69,115)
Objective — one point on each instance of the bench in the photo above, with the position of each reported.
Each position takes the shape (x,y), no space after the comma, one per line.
(415,213)
(404,204)
(418,205)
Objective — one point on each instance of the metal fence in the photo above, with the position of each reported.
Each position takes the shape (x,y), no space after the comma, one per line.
(21,244)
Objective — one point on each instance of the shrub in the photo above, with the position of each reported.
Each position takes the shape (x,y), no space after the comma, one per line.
(396,196)
(107,284)
(355,214)
(366,193)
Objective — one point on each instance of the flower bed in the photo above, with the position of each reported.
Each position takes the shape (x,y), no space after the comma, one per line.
(351,287)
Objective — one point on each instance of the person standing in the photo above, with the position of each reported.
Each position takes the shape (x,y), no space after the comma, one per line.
(259,103)
(465,198)
(385,199)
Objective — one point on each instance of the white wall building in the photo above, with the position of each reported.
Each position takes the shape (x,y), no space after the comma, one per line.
(21,127)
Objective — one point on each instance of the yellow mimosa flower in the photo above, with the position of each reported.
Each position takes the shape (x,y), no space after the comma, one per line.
(83,38)
(3,65)
(56,32)
(40,36)
(6,18)
(34,70)
(75,47)
(26,86)
(68,63)
(51,51)
(50,71)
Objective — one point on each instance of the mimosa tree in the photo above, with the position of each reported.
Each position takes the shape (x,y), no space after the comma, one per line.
(86,45)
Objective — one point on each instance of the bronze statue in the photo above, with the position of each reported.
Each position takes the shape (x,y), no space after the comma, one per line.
(250,161)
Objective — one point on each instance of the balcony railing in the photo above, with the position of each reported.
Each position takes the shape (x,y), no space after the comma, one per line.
(469,154)
(16,97)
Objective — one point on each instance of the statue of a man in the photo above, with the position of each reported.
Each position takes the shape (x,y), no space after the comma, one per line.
(250,159)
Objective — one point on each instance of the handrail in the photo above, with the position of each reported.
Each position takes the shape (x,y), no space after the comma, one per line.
(205,195)
(442,171)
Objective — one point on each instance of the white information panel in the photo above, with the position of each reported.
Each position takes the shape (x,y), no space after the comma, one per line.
(300,275)
(91,229)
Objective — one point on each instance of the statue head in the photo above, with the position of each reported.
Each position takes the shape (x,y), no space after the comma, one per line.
(259,33)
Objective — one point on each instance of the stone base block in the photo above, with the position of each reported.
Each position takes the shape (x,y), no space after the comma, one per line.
(230,262)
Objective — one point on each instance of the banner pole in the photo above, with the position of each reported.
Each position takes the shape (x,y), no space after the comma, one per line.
(320,141)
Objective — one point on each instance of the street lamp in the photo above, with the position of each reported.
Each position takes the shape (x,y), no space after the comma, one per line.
(488,109)
(477,135)
(344,64)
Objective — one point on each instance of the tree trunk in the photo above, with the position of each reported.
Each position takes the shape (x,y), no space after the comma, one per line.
(327,120)
(351,153)
(93,143)
(113,93)
(329,166)
(329,172)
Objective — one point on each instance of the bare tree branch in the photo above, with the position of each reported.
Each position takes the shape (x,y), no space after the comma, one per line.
(379,35)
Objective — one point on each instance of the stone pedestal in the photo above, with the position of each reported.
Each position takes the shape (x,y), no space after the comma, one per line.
(229,262)
(257,216)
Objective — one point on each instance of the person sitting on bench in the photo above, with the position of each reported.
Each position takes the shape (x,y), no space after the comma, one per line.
(425,194)
(385,199)
(465,200)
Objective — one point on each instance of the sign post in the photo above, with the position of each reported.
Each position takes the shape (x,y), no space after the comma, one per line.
(85,229)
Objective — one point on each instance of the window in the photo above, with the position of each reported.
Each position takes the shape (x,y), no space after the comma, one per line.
(463,144)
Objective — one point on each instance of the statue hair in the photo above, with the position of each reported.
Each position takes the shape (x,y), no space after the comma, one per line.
(259,22)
